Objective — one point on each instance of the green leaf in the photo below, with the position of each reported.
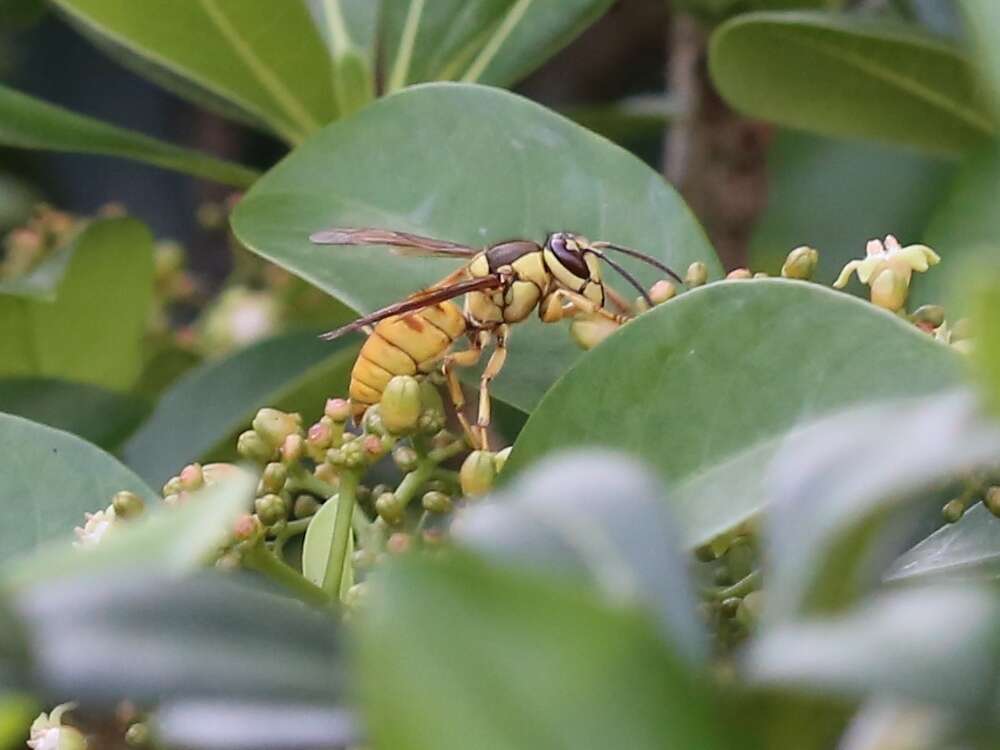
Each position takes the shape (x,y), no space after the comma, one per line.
(199,417)
(966,550)
(169,540)
(95,414)
(489,41)
(933,645)
(16,201)
(26,122)
(348,28)
(601,517)
(316,547)
(837,195)
(262,59)
(201,638)
(847,494)
(93,332)
(705,387)
(879,80)
(714,11)
(519,171)
(982,20)
(482,645)
(48,480)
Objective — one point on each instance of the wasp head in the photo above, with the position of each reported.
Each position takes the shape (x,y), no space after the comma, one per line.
(573,265)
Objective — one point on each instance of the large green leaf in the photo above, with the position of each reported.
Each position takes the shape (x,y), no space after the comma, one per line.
(93,331)
(494,659)
(488,41)
(263,59)
(983,19)
(706,386)
(26,122)
(837,195)
(348,27)
(966,550)
(95,414)
(878,80)
(48,480)
(200,415)
(472,164)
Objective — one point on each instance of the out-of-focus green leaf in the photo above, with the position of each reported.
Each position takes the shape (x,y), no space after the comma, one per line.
(48,480)
(602,517)
(15,13)
(95,414)
(26,122)
(967,550)
(263,60)
(488,41)
(348,27)
(706,386)
(199,417)
(483,646)
(713,11)
(42,281)
(878,80)
(838,488)
(16,200)
(520,171)
(837,195)
(92,332)
(202,638)
(166,539)
(16,714)
(982,20)
(933,645)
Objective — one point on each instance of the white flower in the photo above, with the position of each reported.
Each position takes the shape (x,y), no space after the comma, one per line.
(48,733)
(889,254)
(98,524)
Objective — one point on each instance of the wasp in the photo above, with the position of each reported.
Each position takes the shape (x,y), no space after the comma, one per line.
(502,284)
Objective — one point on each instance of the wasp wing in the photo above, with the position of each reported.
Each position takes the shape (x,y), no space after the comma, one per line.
(418,301)
(402,243)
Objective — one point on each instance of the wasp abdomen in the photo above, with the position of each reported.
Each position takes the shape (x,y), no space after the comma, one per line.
(403,345)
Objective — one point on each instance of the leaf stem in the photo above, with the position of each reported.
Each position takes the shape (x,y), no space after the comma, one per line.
(342,525)
(401,67)
(259,559)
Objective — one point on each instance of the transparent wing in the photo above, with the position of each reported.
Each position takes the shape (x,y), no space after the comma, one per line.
(402,243)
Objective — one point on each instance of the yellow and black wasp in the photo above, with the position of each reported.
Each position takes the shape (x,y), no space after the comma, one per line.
(503,284)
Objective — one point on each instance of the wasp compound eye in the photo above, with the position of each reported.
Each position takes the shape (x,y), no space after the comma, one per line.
(570,257)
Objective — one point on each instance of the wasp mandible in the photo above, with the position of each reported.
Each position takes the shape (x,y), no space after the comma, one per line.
(503,284)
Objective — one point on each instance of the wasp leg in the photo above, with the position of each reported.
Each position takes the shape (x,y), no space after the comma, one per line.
(492,369)
(465,358)
(618,301)
(584,305)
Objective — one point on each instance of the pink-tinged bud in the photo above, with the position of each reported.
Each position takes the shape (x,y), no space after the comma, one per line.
(248,528)
(739,273)
(400,406)
(399,543)
(477,474)
(192,477)
(338,409)
(372,446)
(662,291)
(320,436)
(292,449)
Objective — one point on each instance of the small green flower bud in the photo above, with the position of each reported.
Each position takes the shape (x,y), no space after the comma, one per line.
(750,608)
(431,421)
(477,474)
(500,459)
(729,606)
(442,439)
(172,487)
(305,506)
(928,317)
(252,446)
(992,500)
(800,264)
(270,509)
(953,510)
(889,290)
(352,453)
(274,426)
(405,457)
(327,473)
(293,449)
(430,397)
(127,504)
(248,529)
(137,735)
(372,421)
(399,543)
(697,274)
(338,409)
(436,502)
(274,477)
(662,291)
(389,508)
(739,273)
(400,405)
(438,485)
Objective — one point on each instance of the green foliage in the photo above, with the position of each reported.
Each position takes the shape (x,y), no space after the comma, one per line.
(881,81)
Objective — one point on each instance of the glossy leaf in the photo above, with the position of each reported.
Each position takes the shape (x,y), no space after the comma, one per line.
(848,490)
(167,540)
(263,60)
(93,331)
(203,638)
(348,27)
(26,122)
(95,414)
(602,517)
(705,387)
(316,547)
(836,195)
(199,416)
(48,480)
(934,645)
(488,41)
(718,10)
(577,671)
(516,169)
(880,80)
(966,550)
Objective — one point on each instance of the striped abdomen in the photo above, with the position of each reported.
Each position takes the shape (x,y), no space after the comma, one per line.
(403,345)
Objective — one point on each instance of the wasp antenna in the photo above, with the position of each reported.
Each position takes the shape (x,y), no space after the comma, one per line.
(628,277)
(641,256)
